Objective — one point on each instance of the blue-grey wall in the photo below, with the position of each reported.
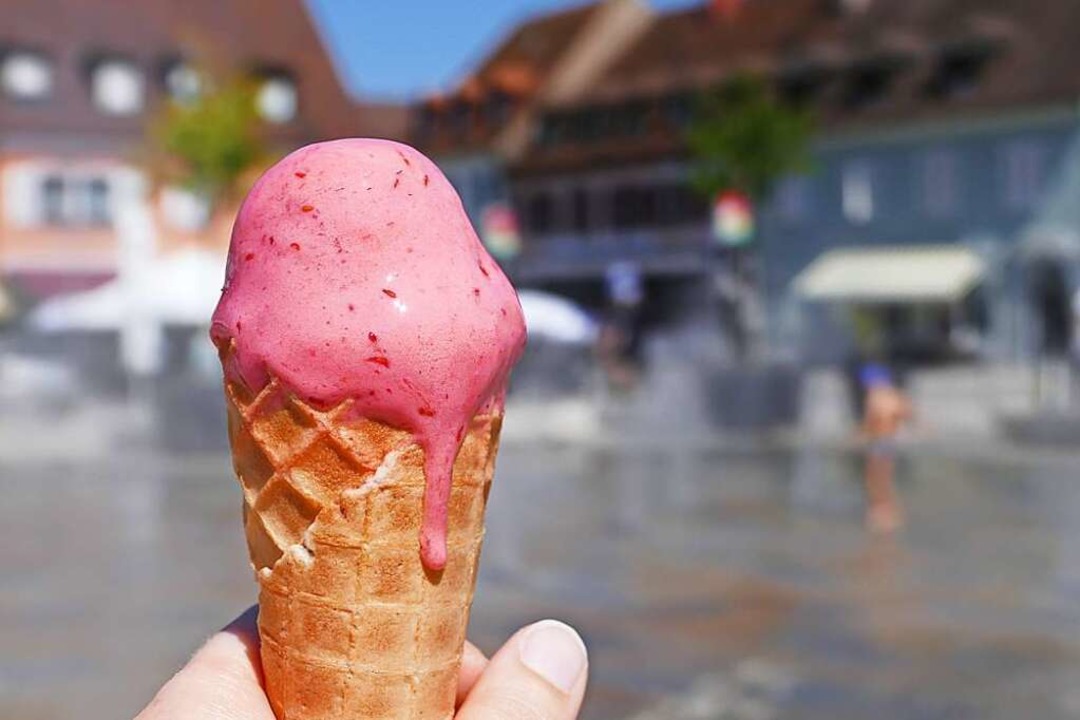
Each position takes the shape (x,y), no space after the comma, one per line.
(479,181)
(900,215)
(983,213)
(806,216)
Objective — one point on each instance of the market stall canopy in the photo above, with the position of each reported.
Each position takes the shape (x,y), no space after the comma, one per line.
(556,318)
(922,274)
(177,289)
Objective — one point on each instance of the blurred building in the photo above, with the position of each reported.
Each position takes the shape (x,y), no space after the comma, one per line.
(488,121)
(943,123)
(79,80)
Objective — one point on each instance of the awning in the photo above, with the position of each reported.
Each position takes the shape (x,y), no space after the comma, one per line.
(920,274)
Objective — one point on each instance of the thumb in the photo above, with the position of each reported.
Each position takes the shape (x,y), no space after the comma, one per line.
(539,674)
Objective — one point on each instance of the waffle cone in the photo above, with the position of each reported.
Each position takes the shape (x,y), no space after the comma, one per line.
(352,624)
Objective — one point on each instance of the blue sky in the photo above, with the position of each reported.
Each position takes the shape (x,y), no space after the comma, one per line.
(397,48)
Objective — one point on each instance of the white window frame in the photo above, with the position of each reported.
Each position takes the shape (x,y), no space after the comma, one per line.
(19,82)
(274,88)
(857,192)
(118,87)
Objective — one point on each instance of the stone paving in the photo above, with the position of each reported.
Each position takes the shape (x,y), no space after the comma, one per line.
(708,584)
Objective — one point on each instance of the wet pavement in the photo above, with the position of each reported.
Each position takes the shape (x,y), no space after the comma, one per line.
(709,584)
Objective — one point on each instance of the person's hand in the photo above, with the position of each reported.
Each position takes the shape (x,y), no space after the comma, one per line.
(539,674)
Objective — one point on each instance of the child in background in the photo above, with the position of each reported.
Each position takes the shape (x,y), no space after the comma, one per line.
(886,410)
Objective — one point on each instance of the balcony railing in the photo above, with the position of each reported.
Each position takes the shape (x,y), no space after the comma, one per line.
(678,250)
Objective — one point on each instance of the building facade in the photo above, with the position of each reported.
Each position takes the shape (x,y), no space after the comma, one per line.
(481,127)
(79,82)
(940,122)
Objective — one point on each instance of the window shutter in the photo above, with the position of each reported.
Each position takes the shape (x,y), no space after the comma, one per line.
(22,195)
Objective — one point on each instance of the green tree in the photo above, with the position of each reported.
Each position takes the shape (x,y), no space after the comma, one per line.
(744,138)
(212,142)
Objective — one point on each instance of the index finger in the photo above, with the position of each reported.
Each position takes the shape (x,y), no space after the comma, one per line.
(473,663)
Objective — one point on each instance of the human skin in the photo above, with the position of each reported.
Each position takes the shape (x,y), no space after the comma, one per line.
(539,674)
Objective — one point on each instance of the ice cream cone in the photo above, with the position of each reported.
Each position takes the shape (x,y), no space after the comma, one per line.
(352,623)
(366,340)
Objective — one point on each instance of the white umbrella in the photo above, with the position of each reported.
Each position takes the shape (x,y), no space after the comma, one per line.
(556,318)
(177,289)
(97,309)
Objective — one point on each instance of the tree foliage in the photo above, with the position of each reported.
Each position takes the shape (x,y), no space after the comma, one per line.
(743,138)
(209,143)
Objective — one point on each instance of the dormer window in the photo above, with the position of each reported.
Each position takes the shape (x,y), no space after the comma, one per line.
(678,110)
(959,70)
(277,99)
(629,119)
(498,109)
(800,85)
(26,75)
(552,129)
(459,116)
(424,123)
(850,7)
(869,82)
(182,82)
(117,87)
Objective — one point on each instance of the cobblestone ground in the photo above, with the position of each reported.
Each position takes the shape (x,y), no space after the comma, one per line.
(708,584)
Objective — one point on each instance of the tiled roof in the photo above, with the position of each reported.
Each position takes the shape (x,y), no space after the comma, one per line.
(534,48)
(248,34)
(898,61)
(511,75)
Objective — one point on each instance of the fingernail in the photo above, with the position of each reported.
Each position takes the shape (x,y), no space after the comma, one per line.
(555,652)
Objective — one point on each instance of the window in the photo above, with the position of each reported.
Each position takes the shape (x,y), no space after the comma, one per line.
(539,213)
(1024,162)
(869,83)
(938,183)
(791,199)
(182,82)
(679,204)
(678,110)
(479,190)
(801,86)
(958,71)
(592,124)
(26,76)
(497,109)
(425,123)
(628,119)
(857,192)
(75,201)
(52,200)
(117,87)
(850,7)
(277,99)
(581,210)
(634,207)
(183,209)
(645,215)
(459,116)
(97,202)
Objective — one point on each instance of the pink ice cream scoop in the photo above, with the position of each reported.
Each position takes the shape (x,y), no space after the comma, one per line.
(354,274)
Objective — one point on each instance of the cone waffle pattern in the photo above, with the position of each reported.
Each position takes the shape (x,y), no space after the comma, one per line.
(352,624)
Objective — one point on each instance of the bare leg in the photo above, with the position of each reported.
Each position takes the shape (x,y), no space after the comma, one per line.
(883,511)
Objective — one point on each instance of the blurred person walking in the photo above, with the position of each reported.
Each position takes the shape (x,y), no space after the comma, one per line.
(885,411)
(620,343)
